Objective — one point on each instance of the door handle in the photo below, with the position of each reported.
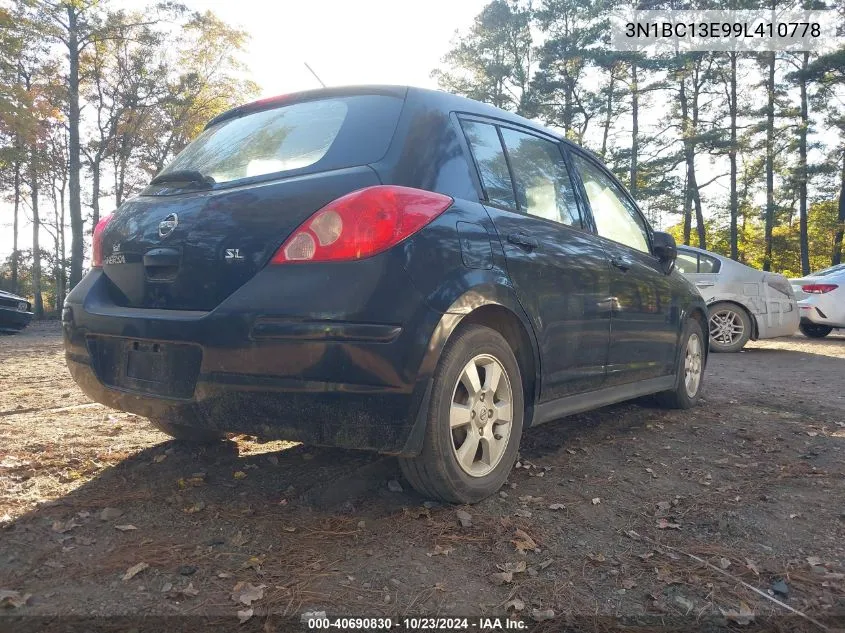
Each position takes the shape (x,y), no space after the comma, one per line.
(704,284)
(525,241)
(621,262)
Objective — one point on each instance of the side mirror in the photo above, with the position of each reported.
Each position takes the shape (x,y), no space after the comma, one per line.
(665,249)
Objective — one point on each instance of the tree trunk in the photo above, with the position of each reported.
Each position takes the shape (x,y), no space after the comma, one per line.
(17,205)
(732,157)
(802,169)
(37,305)
(77,250)
(635,128)
(836,257)
(608,114)
(770,163)
(95,191)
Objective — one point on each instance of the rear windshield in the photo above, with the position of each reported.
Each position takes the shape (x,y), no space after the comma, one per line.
(830,271)
(324,134)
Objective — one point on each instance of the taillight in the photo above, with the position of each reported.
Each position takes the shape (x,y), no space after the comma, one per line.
(97,246)
(818,289)
(361,224)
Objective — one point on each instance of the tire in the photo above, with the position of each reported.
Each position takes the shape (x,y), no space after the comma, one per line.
(815,330)
(730,327)
(190,434)
(493,441)
(683,396)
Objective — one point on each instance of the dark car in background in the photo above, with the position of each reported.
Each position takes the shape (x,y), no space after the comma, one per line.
(15,312)
(383,268)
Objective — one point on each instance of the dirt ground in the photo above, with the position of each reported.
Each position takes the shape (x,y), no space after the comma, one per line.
(629,511)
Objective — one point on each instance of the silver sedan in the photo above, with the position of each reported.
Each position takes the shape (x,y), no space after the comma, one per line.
(745,303)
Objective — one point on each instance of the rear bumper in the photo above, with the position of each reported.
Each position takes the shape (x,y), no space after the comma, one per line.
(821,311)
(324,381)
(14,320)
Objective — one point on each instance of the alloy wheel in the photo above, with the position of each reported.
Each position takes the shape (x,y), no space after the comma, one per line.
(726,327)
(692,365)
(480,415)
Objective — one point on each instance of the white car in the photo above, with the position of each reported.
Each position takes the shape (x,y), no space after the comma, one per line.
(745,303)
(821,299)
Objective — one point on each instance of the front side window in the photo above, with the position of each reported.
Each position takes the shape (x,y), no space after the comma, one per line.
(542,184)
(275,140)
(487,149)
(616,217)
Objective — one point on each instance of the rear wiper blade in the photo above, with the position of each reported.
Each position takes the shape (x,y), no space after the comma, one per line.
(183,175)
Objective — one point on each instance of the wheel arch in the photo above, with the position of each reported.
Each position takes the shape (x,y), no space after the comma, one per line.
(496,307)
(755,326)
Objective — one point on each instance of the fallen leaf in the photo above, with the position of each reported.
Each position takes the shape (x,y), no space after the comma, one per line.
(525,514)
(134,571)
(238,539)
(239,474)
(199,506)
(557,506)
(125,528)
(795,516)
(13,599)
(645,556)
(289,528)
(632,534)
(742,617)
(664,506)
(110,514)
(190,590)
(665,524)
(464,518)
(516,605)
(62,527)
(545,563)
(814,561)
(501,578)
(515,568)
(244,615)
(394,486)
(159,458)
(523,541)
(752,566)
(628,584)
(540,616)
(247,593)
(440,551)
(597,558)
(596,501)
(724,563)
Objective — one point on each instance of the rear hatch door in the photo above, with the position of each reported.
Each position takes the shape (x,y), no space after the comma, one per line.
(215,216)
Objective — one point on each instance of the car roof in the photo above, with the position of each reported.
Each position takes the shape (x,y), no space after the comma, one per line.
(440,99)
(695,249)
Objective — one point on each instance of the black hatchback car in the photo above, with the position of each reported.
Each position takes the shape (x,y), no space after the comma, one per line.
(15,312)
(383,268)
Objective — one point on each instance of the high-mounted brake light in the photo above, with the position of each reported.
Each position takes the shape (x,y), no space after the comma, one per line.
(362,224)
(97,246)
(818,289)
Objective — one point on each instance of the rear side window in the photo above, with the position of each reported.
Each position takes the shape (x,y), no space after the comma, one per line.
(543,188)
(489,156)
(708,264)
(308,136)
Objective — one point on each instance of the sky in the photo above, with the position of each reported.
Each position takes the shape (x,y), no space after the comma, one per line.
(344,41)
